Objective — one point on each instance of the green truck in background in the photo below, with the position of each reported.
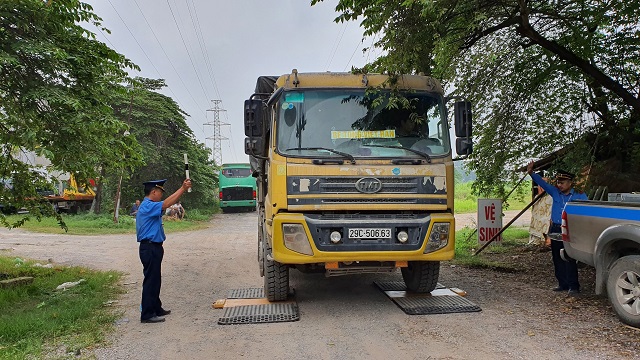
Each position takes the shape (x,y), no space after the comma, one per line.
(237,189)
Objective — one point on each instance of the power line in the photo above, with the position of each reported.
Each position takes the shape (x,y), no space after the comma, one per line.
(354,52)
(335,48)
(186,48)
(196,21)
(134,38)
(203,48)
(145,53)
(373,40)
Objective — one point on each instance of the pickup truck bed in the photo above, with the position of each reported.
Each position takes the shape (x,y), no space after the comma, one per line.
(606,235)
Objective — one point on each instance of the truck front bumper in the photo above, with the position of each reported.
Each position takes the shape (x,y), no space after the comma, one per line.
(422,230)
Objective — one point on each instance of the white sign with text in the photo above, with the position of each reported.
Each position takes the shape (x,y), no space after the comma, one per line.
(489,219)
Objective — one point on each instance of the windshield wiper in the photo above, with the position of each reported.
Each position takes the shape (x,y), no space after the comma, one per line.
(423,154)
(343,154)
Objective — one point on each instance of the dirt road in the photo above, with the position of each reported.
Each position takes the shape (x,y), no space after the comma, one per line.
(341,318)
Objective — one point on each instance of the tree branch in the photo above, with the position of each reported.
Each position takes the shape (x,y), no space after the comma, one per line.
(526,30)
(480,34)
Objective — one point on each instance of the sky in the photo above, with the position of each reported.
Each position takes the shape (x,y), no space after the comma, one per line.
(212,49)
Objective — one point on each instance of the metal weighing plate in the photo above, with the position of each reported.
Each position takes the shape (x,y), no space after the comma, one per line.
(257,314)
(397,285)
(445,304)
(248,293)
(440,301)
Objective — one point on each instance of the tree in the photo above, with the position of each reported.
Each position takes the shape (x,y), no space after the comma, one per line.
(542,75)
(158,124)
(55,83)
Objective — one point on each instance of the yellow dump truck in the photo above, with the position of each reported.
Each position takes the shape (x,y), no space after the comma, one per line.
(355,175)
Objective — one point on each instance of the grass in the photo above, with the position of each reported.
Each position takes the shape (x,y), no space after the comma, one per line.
(91,224)
(467,244)
(466,202)
(38,320)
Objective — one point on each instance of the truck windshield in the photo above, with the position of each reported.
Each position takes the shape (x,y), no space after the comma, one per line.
(325,123)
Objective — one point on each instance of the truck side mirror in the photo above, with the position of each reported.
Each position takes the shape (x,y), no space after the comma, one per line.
(464,146)
(462,117)
(254,146)
(253,118)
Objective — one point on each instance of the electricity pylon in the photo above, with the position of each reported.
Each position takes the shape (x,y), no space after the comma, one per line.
(217,136)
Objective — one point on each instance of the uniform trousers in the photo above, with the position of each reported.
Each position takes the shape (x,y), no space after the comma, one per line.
(151,255)
(566,271)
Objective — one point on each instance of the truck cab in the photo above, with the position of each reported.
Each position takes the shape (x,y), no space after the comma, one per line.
(354,175)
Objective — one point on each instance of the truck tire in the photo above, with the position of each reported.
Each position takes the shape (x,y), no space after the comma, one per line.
(623,288)
(276,276)
(421,276)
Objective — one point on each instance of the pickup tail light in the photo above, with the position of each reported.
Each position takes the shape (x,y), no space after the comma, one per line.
(565,227)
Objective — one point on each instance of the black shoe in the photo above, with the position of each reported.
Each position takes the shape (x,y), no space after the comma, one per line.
(559,288)
(573,292)
(163,312)
(155,319)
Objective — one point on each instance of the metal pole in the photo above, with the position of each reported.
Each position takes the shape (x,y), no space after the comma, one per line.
(538,197)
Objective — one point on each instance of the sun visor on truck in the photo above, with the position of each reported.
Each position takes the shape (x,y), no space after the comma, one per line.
(266,85)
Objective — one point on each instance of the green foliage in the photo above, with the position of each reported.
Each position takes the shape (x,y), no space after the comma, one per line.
(200,215)
(159,126)
(541,75)
(467,244)
(55,83)
(36,318)
(466,201)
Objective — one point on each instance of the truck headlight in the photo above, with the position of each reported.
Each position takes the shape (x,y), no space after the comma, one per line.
(296,239)
(335,237)
(402,236)
(439,237)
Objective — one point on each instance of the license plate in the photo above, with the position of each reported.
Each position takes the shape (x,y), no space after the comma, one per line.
(369,233)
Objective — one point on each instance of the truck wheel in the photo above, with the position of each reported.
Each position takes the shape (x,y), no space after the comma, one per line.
(421,276)
(623,288)
(276,276)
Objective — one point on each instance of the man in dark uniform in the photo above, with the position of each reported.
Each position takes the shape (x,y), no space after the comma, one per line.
(150,234)
(566,271)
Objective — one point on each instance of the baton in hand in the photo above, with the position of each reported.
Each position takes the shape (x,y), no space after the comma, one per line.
(186,168)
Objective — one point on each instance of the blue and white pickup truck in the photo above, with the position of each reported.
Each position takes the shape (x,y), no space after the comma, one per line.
(606,235)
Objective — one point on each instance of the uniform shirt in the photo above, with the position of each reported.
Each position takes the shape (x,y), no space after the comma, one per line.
(149,221)
(559,199)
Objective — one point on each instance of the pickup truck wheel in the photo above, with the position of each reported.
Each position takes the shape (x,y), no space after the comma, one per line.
(276,276)
(421,276)
(623,288)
